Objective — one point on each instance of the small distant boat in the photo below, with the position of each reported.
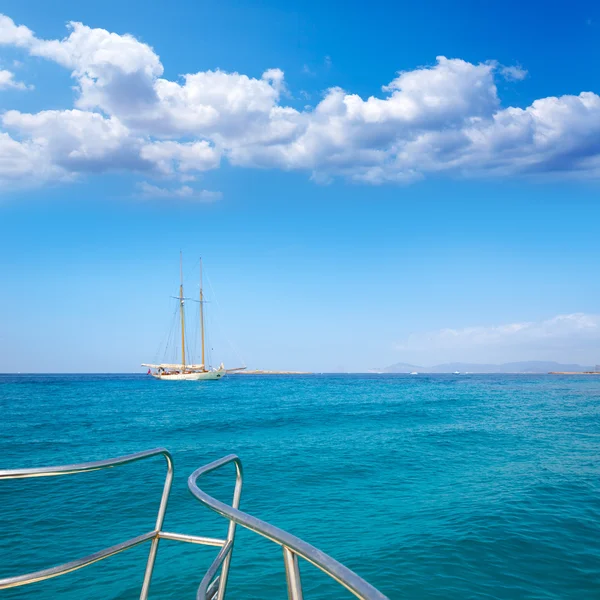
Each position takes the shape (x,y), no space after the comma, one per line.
(414,373)
(184,371)
(456,373)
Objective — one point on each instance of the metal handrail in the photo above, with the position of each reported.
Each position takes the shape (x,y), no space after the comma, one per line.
(212,586)
(152,536)
(206,589)
(292,545)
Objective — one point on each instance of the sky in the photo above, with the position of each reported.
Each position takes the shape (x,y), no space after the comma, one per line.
(367,184)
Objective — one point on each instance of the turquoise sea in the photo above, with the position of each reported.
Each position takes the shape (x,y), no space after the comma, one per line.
(430,486)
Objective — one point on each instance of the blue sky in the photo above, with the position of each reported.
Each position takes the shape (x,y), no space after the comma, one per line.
(453,216)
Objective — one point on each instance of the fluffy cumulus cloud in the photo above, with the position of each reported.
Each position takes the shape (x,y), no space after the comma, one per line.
(561,337)
(446,118)
(76,140)
(8,81)
(169,157)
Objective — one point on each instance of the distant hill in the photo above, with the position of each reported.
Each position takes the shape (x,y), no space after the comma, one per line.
(530,366)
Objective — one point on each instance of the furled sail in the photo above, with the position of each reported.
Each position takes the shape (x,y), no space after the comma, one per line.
(174,366)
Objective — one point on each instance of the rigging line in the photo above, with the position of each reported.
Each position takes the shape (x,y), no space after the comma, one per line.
(190,344)
(192,273)
(208,345)
(217,326)
(208,328)
(166,356)
(166,337)
(210,339)
(183,279)
(194,324)
(216,300)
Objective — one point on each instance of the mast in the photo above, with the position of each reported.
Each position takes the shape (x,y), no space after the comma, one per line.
(202,315)
(181,311)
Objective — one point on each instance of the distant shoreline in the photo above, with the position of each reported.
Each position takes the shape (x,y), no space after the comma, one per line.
(260,372)
(574,373)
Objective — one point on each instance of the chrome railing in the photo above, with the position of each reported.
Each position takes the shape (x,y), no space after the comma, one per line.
(214,582)
(293,547)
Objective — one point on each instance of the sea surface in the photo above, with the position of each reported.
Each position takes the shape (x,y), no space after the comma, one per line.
(429,486)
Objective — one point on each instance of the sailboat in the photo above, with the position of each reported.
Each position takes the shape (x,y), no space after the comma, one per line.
(188,371)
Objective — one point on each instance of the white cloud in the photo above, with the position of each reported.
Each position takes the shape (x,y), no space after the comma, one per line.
(149,190)
(7,81)
(20,161)
(365,139)
(446,118)
(173,156)
(14,35)
(560,337)
(514,73)
(77,141)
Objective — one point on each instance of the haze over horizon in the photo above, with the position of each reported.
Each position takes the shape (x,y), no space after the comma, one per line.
(426,195)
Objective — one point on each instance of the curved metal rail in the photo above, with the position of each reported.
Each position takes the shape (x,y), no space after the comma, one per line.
(293,547)
(153,536)
(213,586)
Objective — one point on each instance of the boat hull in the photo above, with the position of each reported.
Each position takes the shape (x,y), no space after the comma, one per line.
(198,376)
